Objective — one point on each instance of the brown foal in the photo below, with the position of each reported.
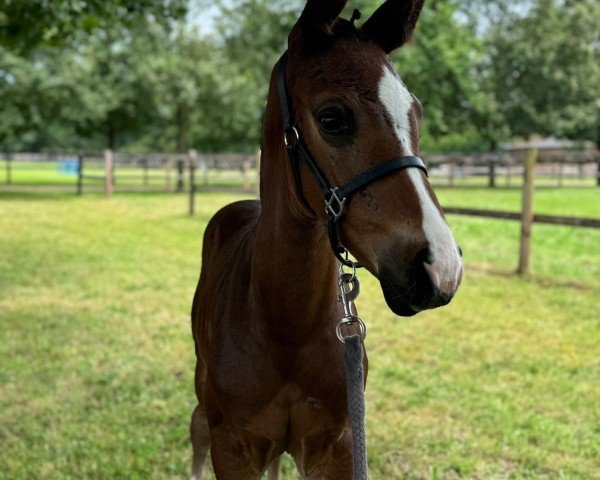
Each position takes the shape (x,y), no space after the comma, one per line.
(270,374)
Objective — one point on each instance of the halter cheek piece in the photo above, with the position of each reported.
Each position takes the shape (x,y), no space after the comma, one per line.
(336,198)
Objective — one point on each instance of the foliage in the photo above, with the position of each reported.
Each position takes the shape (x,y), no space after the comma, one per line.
(254,35)
(546,66)
(26,24)
(133,76)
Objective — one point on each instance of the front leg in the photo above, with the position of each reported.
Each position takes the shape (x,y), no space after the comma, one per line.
(238,455)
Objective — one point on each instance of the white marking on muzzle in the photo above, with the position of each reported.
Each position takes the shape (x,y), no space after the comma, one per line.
(447,265)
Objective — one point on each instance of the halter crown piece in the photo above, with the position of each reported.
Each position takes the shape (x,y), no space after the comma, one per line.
(336,198)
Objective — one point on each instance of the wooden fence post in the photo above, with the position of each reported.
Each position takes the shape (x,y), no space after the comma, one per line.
(527,210)
(598,174)
(492,175)
(80,175)
(145,166)
(108,169)
(192,156)
(168,170)
(180,175)
(113,174)
(451,174)
(246,174)
(9,168)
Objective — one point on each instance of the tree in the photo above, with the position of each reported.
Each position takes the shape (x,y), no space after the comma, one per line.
(27,24)
(442,66)
(545,66)
(45,100)
(254,35)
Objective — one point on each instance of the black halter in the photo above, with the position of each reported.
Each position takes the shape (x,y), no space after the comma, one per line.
(335,197)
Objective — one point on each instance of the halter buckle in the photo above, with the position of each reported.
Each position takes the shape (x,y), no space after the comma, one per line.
(292,131)
(334,206)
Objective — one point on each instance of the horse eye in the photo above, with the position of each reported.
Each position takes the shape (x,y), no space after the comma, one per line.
(332,121)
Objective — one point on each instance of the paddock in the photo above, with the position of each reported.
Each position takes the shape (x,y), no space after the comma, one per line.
(98,359)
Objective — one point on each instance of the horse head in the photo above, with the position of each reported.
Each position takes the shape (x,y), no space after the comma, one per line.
(354,112)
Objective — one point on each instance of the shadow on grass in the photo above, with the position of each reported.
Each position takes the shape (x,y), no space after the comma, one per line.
(17,195)
(60,193)
(546,282)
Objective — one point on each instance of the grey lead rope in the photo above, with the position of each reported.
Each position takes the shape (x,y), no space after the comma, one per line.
(355,383)
(349,288)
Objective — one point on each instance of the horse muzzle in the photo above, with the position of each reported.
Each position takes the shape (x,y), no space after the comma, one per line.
(428,283)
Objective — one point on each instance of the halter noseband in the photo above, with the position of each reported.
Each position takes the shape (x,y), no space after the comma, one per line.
(335,197)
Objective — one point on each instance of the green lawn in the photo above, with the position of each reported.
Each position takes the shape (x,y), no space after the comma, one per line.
(579,202)
(49,174)
(97,357)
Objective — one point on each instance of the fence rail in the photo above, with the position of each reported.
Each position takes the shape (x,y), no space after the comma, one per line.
(537,218)
(551,164)
(127,171)
(153,170)
(526,216)
(194,172)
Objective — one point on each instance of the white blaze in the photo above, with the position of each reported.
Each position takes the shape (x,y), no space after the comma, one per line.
(397,101)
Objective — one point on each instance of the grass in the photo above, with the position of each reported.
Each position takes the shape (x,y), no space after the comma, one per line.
(97,357)
(50,174)
(579,202)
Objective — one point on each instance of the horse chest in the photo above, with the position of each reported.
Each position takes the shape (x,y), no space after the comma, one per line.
(282,395)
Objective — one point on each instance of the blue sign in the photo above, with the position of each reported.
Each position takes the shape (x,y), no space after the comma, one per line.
(69,166)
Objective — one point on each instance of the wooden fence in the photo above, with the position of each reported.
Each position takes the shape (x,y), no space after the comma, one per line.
(526,216)
(170,172)
(116,171)
(200,165)
(122,171)
(527,165)
(556,167)
(194,172)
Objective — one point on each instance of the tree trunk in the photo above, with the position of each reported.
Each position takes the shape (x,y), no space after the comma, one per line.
(111,135)
(181,127)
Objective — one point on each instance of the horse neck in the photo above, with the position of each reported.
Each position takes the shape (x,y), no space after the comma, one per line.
(293,268)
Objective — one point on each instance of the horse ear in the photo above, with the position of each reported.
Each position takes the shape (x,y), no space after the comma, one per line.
(318,18)
(393,24)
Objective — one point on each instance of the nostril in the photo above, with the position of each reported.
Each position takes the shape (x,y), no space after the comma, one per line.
(424,277)
(424,256)
(459,250)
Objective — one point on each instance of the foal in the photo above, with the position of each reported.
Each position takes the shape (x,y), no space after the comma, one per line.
(270,374)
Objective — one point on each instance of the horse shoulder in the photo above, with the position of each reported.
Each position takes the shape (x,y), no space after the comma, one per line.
(227,225)
(227,238)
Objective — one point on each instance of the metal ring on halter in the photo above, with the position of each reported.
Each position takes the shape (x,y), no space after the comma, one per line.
(350,279)
(285,136)
(349,321)
(346,253)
